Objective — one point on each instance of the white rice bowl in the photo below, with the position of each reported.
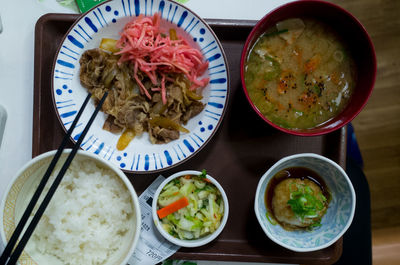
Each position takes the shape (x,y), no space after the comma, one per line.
(91,219)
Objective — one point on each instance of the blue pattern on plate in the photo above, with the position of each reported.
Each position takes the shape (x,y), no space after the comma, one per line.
(111,154)
(216,105)
(137,7)
(66,64)
(101,146)
(155,161)
(66,101)
(221,71)
(168,157)
(183,153)
(218,81)
(169,12)
(68,114)
(173,16)
(146,162)
(191,137)
(211,43)
(214,113)
(218,90)
(86,34)
(182,19)
(133,162)
(70,50)
(190,23)
(98,19)
(66,106)
(108,8)
(84,31)
(214,57)
(77,32)
(188,145)
(176,152)
(83,143)
(216,96)
(64,73)
(106,153)
(91,144)
(201,139)
(159,158)
(161,8)
(75,42)
(219,65)
(138,160)
(193,26)
(91,25)
(70,56)
(210,50)
(63,78)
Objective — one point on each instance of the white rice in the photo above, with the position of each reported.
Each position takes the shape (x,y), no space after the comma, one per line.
(88,221)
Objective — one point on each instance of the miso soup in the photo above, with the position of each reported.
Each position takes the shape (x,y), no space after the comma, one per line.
(299,74)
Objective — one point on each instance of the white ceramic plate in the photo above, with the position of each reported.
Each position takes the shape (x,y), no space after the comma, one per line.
(106,21)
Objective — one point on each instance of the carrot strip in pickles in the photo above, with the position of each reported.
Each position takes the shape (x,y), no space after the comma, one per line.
(173,207)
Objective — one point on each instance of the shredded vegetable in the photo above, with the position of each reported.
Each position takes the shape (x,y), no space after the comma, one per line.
(202,215)
(173,207)
(151,52)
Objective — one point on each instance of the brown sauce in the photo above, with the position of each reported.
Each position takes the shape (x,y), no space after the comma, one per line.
(293,172)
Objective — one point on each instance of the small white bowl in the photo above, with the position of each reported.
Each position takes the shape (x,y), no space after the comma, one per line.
(195,242)
(336,220)
(12,205)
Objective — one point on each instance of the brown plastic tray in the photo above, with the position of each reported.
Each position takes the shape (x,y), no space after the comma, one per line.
(243,148)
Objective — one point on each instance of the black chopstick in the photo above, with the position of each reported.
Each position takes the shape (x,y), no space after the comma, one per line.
(18,250)
(39,190)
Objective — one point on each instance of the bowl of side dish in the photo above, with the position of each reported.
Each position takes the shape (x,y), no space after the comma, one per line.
(190,208)
(305,202)
(308,67)
(94,217)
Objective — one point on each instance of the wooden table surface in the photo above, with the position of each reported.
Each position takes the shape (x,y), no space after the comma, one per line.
(377,127)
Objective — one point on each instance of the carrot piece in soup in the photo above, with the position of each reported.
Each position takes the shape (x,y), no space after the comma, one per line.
(335,78)
(312,63)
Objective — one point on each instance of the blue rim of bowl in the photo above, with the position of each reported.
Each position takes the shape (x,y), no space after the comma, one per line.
(302,155)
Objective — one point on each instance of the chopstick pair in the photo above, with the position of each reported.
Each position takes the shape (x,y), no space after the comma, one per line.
(11,258)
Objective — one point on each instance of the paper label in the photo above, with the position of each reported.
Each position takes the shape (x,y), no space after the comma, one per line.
(152,247)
